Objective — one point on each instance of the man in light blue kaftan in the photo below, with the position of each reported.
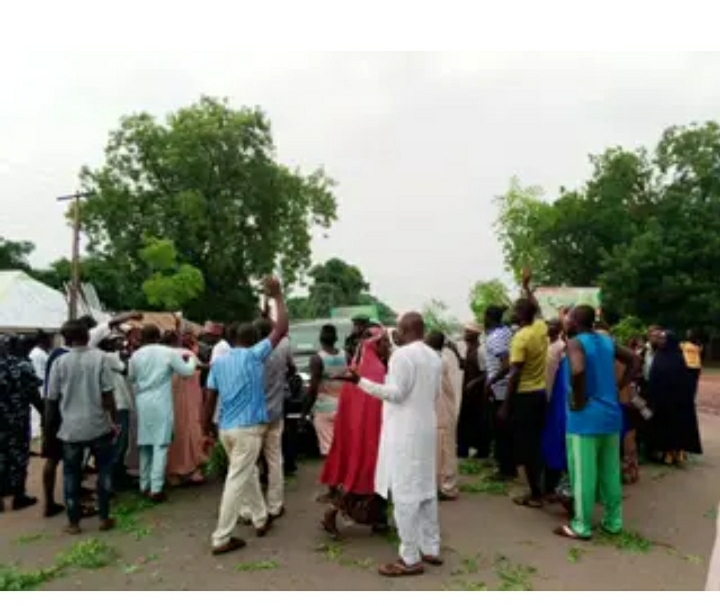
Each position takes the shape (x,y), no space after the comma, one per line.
(150,372)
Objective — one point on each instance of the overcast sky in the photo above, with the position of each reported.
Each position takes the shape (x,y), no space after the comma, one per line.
(419,143)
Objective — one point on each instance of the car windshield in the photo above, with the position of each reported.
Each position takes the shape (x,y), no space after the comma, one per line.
(304,335)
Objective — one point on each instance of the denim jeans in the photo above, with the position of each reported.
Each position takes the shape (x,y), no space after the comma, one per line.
(102,449)
(121,444)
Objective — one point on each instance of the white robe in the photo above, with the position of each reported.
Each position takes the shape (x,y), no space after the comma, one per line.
(406,465)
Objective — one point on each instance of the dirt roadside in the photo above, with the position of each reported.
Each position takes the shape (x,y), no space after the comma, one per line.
(489,543)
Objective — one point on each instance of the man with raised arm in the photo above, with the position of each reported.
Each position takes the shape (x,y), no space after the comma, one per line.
(237,381)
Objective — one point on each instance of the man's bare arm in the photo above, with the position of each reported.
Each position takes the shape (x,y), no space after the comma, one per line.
(632,363)
(280,329)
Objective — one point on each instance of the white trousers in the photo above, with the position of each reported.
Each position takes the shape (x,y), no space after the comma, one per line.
(242,485)
(272,450)
(419,530)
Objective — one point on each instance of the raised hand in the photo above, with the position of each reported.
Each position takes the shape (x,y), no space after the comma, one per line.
(272,287)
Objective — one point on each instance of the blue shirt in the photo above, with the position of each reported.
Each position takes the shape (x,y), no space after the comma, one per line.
(602,414)
(239,379)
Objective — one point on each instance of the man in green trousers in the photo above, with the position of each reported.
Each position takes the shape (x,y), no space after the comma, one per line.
(594,424)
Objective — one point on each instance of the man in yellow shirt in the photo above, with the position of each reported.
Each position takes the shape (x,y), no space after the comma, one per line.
(526,401)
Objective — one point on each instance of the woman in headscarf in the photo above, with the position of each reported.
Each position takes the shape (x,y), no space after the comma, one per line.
(186,454)
(673,430)
(350,465)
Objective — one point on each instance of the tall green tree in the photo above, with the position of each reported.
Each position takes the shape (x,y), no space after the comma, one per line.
(667,273)
(206,179)
(521,214)
(643,227)
(336,283)
(106,274)
(15,254)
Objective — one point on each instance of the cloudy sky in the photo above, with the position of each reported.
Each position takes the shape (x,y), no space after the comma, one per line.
(419,143)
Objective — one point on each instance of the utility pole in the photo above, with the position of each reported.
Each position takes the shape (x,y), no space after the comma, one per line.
(75,280)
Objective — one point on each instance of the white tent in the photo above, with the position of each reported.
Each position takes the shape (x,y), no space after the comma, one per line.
(27,305)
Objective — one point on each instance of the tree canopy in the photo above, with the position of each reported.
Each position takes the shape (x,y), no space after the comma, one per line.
(336,283)
(15,254)
(207,180)
(643,228)
(171,284)
(484,294)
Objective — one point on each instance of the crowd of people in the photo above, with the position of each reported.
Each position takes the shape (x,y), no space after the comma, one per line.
(556,403)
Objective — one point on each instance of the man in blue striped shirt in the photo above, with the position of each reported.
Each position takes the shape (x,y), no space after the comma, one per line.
(497,358)
(237,380)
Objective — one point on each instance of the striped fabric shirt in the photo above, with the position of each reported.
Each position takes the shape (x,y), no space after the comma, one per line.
(497,346)
(239,379)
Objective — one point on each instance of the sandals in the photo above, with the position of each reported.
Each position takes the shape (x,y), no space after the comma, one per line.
(432,560)
(232,545)
(568,533)
(528,501)
(401,569)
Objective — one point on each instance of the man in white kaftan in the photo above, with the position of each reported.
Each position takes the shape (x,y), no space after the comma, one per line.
(406,468)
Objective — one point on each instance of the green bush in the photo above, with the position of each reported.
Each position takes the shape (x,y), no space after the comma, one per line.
(628,328)
(217,464)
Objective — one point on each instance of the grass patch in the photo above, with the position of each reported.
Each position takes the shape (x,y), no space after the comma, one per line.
(468,565)
(12,579)
(575,554)
(471,467)
(484,485)
(127,516)
(712,513)
(257,565)
(332,552)
(363,563)
(90,555)
(462,585)
(693,559)
(626,540)
(513,577)
(138,564)
(26,539)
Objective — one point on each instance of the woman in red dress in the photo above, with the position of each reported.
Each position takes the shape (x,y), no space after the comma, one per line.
(350,464)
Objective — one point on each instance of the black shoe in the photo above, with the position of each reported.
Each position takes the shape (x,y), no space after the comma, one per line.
(52,510)
(23,502)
